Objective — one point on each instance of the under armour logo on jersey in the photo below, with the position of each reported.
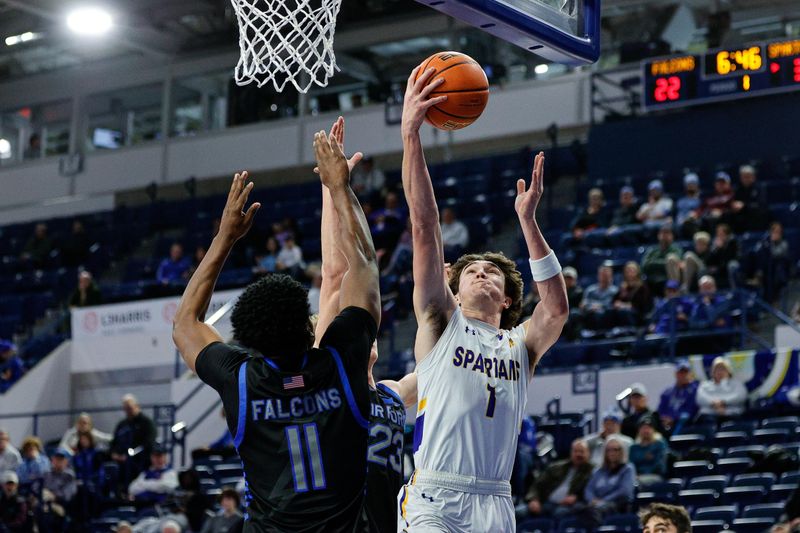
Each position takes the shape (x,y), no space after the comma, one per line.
(469,330)
(430,499)
(499,336)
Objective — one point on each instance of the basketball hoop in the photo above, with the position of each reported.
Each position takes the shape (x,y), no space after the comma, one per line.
(286,41)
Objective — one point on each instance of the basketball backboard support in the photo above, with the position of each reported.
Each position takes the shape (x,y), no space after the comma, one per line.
(563,31)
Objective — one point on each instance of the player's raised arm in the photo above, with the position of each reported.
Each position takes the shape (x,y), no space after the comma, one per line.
(431,292)
(334,264)
(551,314)
(359,285)
(189,332)
(406,388)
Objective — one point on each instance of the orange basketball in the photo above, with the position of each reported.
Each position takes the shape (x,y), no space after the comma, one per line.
(465,85)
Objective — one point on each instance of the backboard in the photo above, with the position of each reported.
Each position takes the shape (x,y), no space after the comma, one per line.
(563,31)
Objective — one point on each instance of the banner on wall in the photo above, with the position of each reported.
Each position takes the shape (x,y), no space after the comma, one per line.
(135,318)
(764,373)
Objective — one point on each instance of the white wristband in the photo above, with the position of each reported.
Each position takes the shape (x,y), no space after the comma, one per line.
(545,268)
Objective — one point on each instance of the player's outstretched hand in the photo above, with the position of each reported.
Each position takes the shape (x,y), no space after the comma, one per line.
(528,200)
(235,222)
(417,102)
(337,132)
(334,171)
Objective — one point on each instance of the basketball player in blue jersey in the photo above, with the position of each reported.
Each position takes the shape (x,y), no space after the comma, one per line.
(473,364)
(296,412)
(389,399)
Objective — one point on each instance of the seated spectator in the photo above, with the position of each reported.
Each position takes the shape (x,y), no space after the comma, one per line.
(11,367)
(75,248)
(10,458)
(610,489)
(639,410)
(749,212)
(694,261)
(87,459)
(228,515)
(290,258)
(34,463)
(455,235)
(200,252)
(597,299)
(190,499)
(649,453)
(722,261)
(156,483)
(717,207)
(87,293)
(386,224)
(268,261)
(710,309)
(400,260)
(678,405)
(625,214)
(38,248)
(134,431)
(721,396)
(612,425)
(593,216)
(59,488)
(688,204)
(574,297)
(657,210)
(665,518)
(174,268)
(672,308)
(14,516)
(633,300)
(662,261)
(771,264)
(368,180)
(562,484)
(83,424)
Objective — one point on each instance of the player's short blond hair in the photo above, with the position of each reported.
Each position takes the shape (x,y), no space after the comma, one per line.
(513,282)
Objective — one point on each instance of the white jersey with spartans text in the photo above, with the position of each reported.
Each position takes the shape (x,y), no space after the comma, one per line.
(472,391)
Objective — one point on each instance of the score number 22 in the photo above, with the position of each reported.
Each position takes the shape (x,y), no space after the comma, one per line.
(667,89)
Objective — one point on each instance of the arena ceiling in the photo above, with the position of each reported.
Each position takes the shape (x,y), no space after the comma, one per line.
(166,29)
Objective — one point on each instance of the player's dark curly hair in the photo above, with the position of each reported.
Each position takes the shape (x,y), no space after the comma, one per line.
(513,286)
(272,316)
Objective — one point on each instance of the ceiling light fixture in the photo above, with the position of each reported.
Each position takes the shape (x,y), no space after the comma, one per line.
(5,149)
(22,38)
(541,69)
(89,21)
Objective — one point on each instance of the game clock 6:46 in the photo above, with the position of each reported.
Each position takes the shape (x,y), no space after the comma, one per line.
(734,62)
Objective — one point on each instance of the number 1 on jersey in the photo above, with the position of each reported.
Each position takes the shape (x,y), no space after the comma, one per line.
(492,401)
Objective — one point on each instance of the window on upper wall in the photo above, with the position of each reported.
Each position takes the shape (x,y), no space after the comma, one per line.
(33,132)
(200,103)
(125,117)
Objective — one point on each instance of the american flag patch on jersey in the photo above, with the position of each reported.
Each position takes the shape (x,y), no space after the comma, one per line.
(294,382)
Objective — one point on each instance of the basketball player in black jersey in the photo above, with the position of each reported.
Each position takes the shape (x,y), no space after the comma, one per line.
(389,398)
(298,414)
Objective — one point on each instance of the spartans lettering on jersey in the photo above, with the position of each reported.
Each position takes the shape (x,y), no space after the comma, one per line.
(491,366)
(296,407)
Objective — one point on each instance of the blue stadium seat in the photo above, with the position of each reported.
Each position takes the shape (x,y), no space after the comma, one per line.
(790,478)
(785,422)
(771,436)
(765,480)
(536,525)
(685,442)
(749,495)
(738,425)
(752,525)
(726,513)
(780,492)
(727,439)
(763,510)
(731,466)
(707,526)
(745,451)
(690,469)
(698,498)
(715,483)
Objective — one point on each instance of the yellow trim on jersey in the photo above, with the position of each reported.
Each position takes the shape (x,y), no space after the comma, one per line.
(422,403)
(405,500)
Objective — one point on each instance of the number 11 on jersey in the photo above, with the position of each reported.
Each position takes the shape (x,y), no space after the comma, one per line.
(492,401)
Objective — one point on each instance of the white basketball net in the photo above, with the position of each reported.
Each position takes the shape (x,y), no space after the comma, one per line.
(286,41)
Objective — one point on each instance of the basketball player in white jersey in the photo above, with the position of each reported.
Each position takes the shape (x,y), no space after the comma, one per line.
(473,365)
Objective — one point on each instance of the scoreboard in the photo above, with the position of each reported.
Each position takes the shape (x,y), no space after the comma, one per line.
(723,74)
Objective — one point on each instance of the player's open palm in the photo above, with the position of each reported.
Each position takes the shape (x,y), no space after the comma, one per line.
(417,101)
(334,172)
(337,132)
(235,222)
(528,199)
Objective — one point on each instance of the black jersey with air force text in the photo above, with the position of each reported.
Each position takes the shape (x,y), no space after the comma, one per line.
(302,436)
(384,458)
